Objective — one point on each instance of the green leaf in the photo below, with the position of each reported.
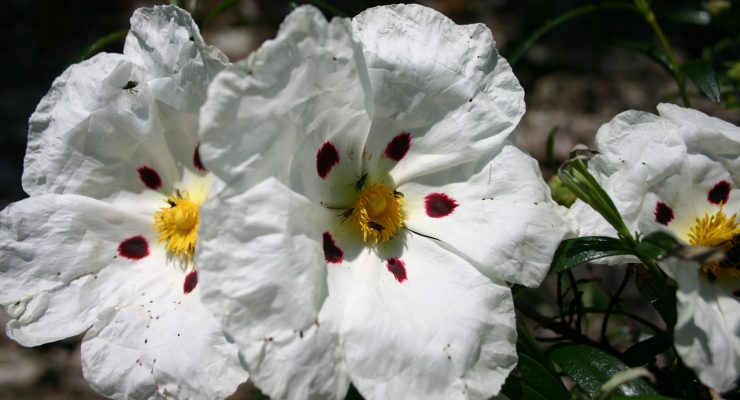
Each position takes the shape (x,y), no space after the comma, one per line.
(656,245)
(216,11)
(691,17)
(572,252)
(590,368)
(534,381)
(648,50)
(702,74)
(550,148)
(644,352)
(655,290)
(99,45)
(642,397)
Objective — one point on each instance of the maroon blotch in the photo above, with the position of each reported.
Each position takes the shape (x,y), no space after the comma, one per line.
(191,281)
(332,253)
(150,177)
(196,159)
(398,146)
(720,193)
(397,268)
(134,248)
(663,213)
(439,205)
(326,158)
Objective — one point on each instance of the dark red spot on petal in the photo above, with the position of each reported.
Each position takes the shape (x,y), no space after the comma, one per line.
(326,158)
(191,281)
(398,146)
(397,268)
(719,193)
(150,177)
(332,253)
(663,213)
(439,205)
(134,248)
(196,159)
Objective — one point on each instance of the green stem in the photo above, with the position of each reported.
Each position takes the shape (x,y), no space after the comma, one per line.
(678,74)
(552,24)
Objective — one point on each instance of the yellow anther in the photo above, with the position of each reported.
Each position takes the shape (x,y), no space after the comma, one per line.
(377,213)
(715,230)
(177,224)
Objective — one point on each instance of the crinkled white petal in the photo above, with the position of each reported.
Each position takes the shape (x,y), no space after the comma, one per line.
(707,332)
(89,135)
(61,273)
(263,275)
(505,221)
(296,92)
(444,83)
(178,65)
(444,332)
(160,342)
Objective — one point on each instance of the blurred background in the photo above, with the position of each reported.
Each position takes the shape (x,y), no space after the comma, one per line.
(576,77)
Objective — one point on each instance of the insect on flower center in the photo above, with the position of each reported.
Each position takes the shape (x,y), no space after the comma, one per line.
(177,225)
(716,230)
(377,213)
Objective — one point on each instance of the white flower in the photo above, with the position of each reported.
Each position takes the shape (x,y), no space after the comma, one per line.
(104,245)
(373,208)
(679,172)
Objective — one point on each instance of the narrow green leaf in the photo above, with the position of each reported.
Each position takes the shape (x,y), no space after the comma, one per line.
(572,252)
(327,7)
(644,352)
(655,289)
(648,50)
(550,148)
(657,244)
(691,17)
(642,397)
(216,11)
(534,381)
(590,368)
(98,45)
(702,74)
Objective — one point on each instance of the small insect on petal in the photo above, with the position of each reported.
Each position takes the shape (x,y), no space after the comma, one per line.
(134,248)
(439,205)
(397,268)
(191,281)
(719,193)
(397,148)
(326,158)
(332,253)
(663,213)
(196,159)
(130,85)
(150,177)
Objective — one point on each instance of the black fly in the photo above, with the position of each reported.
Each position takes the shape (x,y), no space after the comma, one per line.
(397,194)
(360,183)
(376,226)
(130,85)
(347,214)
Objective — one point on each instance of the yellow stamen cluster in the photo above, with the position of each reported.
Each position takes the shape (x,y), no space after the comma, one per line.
(177,224)
(716,230)
(377,213)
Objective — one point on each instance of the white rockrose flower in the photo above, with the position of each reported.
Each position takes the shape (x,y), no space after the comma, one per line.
(373,208)
(104,244)
(679,172)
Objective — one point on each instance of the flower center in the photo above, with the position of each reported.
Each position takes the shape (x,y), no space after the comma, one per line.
(377,213)
(716,230)
(177,224)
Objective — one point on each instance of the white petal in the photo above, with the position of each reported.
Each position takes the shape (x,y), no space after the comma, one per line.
(444,83)
(160,342)
(165,41)
(504,222)
(263,275)
(444,332)
(295,93)
(718,139)
(707,333)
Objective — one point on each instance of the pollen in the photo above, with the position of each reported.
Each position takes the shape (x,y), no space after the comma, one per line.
(716,230)
(177,225)
(377,213)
